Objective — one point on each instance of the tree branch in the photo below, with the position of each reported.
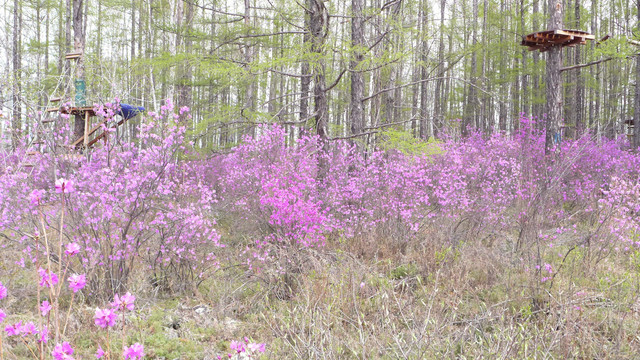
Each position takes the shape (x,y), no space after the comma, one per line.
(585,65)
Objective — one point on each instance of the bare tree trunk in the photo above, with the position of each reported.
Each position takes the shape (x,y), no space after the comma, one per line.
(470,113)
(78,45)
(305,81)
(249,99)
(535,89)
(318,24)
(502,112)
(424,130)
(67,41)
(636,110)
(133,31)
(554,84)
(437,106)
(356,111)
(184,19)
(17,69)
(579,96)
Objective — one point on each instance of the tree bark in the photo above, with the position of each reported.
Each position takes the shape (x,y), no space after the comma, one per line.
(437,106)
(356,110)
(472,97)
(78,46)
(17,70)
(554,84)
(318,24)
(636,105)
(579,95)
(424,90)
(249,96)
(305,81)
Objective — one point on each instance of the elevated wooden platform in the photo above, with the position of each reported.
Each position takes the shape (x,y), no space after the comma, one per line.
(544,40)
(126,112)
(73,110)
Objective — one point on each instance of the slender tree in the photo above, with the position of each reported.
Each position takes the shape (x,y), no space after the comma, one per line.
(636,112)
(17,71)
(356,112)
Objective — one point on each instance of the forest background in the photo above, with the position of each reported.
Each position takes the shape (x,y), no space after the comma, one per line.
(421,67)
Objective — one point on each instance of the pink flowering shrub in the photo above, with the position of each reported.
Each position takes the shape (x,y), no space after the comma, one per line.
(125,205)
(155,202)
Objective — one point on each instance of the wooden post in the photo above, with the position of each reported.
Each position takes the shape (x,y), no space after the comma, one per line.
(86,129)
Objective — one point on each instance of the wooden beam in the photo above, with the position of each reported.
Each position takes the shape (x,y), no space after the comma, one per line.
(583,34)
(89,133)
(73,55)
(97,138)
(86,128)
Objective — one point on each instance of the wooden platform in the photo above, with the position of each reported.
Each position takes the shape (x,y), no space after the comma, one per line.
(73,110)
(544,40)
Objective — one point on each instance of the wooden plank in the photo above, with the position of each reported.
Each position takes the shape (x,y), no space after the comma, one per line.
(561,40)
(97,138)
(53,109)
(73,55)
(46,121)
(30,153)
(55,99)
(86,127)
(584,34)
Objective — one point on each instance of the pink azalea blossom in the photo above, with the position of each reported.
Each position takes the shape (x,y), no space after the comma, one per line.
(45,308)
(254,347)
(13,330)
(77,282)
(123,302)
(62,351)
(44,335)
(3,291)
(47,280)
(64,186)
(36,196)
(105,318)
(72,249)
(237,346)
(99,352)
(133,352)
(29,329)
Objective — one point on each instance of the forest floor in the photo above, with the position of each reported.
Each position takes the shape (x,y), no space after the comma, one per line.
(367,298)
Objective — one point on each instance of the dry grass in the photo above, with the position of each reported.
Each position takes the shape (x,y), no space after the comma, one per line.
(447,293)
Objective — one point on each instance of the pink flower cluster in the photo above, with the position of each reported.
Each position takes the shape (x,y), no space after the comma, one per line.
(245,349)
(107,317)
